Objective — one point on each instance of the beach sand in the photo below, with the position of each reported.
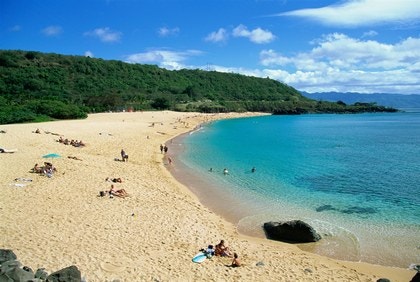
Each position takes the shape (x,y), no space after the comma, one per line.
(151,235)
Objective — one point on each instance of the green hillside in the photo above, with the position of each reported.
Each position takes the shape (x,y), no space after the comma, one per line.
(38,86)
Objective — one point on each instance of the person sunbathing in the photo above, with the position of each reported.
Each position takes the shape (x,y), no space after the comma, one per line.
(118,193)
(115,180)
(74,158)
(222,250)
(37,169)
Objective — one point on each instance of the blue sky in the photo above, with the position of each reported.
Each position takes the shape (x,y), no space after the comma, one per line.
(367,46)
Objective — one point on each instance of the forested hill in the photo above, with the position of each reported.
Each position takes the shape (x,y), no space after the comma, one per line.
(38,86)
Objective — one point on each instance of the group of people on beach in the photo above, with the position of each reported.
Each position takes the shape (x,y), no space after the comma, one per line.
(48,169)
(74,143)
(113,191)
(223,251)
(163,149)
(226,171)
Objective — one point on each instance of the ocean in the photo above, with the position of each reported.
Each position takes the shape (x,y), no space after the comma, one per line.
(355,178)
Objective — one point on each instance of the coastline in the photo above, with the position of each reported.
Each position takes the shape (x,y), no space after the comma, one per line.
(153,234)
(248,211)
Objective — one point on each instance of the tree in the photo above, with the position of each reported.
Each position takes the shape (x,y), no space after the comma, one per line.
(161,103)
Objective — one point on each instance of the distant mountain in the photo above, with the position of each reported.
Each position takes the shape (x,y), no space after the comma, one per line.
(399,101)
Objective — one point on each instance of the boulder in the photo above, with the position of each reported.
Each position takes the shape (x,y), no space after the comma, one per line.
(41,274)
(295,231)
(20,274)
(416,278)
(6,255)
(68,274)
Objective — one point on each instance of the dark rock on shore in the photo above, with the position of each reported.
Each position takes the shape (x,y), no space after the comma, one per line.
(11,270)
(295,231)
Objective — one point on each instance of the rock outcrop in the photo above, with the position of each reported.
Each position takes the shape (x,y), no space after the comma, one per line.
(11,270)
(295,231)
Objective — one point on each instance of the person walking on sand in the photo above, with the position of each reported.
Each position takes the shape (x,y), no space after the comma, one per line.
(161,148)
(170,160)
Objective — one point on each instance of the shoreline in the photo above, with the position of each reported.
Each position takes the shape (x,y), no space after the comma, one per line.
(151,235)
(247,217)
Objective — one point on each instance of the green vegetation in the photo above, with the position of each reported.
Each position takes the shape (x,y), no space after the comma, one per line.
(37,86)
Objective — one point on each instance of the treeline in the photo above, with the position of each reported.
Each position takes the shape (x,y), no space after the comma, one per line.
(38,86)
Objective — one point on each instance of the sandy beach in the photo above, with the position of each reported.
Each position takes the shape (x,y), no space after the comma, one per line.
(151,235)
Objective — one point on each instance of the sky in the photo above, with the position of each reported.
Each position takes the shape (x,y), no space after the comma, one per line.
(365,46)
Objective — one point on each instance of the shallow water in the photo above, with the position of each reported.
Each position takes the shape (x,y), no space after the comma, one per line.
(355,178)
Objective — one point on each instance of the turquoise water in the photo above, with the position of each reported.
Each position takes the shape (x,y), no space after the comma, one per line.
(355,178)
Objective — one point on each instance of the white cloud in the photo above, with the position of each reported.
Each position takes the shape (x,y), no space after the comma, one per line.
(353,13)
(52,30)
(341,63)
(217,36)
(105,34)
(164,31)
(370,33)
(257,35)
(164,58)
(336,62)
(89,54)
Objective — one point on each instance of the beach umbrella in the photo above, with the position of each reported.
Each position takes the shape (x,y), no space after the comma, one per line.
(51,156)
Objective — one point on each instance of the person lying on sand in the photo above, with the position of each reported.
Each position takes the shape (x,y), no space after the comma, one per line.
(37,169)
(118,193)
(115,180)
(74,158)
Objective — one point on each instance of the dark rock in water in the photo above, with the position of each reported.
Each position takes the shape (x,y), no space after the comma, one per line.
(6,255)
(359,210)
(383,280)
(68,274)
(416,278)
(295,231)
(325,208)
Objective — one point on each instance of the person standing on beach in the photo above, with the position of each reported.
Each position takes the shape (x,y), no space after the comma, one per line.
(165,149)
(161,148)
(124,156)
